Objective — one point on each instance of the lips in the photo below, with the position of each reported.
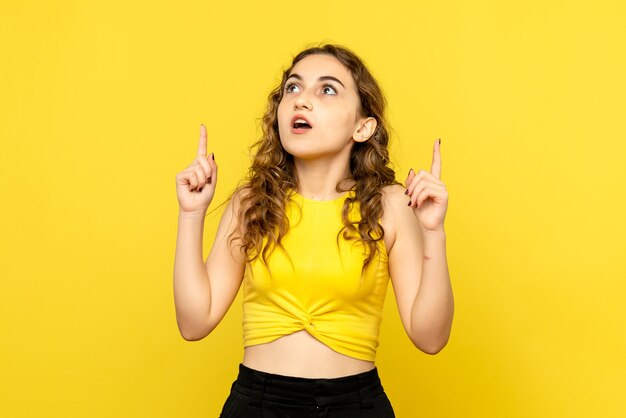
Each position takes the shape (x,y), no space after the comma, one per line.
(300,125)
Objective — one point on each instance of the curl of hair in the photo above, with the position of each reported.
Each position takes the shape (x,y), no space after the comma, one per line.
(271,177)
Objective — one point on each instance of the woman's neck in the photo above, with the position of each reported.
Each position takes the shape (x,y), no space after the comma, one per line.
(318,178)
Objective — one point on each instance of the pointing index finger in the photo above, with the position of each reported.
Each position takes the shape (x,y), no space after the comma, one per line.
(203,142)
(435,169)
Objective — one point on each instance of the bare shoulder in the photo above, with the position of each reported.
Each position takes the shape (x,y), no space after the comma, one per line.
(394,196)
(240,196)
(231,229)
(394,202)
(239,201)
(231,225)
(398,217)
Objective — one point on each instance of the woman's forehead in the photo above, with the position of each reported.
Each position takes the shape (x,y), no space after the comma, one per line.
(311,67)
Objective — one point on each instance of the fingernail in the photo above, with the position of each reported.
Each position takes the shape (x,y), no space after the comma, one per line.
(406,191)
(213,156)
(439,141)
(409,204)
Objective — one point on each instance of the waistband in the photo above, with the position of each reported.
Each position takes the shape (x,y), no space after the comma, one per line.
(262,386)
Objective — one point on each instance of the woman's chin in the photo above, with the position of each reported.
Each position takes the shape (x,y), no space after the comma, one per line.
(301,151)
(304,155)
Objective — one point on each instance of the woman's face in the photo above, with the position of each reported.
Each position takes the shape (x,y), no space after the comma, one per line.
(320,89)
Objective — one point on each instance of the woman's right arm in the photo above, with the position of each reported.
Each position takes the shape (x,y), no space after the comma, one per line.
(203,292)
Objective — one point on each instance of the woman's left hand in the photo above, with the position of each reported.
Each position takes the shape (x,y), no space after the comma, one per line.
(429,197)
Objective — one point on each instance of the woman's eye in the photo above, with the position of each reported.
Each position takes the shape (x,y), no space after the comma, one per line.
(289,86)
(328,86)
(325,89)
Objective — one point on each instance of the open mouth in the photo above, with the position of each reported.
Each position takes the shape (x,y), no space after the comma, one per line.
(301,125)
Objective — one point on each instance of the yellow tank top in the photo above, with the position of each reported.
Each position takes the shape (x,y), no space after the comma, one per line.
(320,289)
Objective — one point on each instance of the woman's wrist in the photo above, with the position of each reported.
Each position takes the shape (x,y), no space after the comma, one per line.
(195,215)
(434,233)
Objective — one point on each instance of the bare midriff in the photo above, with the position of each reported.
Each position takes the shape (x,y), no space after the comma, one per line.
(302,355)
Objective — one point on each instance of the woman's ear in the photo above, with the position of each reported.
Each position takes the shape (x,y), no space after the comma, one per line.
(365,129)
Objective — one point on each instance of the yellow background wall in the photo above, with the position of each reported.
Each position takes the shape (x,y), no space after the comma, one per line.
(101,104)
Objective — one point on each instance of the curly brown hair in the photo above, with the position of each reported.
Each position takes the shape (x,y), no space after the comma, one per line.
(272,179)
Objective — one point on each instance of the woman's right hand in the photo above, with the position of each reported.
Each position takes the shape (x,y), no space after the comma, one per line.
(195,185)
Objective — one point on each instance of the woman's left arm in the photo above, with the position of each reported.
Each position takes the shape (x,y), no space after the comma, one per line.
(418,262)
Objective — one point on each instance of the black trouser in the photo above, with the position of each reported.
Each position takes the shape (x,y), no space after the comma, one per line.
(259,394)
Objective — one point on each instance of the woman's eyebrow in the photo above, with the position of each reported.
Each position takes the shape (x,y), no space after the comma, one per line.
(324,77)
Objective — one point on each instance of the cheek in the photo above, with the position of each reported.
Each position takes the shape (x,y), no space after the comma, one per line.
(342,123)
(280,110)
(281,117)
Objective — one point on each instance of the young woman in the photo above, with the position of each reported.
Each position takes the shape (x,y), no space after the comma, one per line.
(315,234)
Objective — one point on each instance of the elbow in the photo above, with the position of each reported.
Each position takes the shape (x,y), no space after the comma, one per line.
(192,334)
(193,328)
(433,349)
(431,346)
(429,340)
(190,337)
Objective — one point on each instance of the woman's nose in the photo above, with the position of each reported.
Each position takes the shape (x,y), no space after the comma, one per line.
(303,101)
